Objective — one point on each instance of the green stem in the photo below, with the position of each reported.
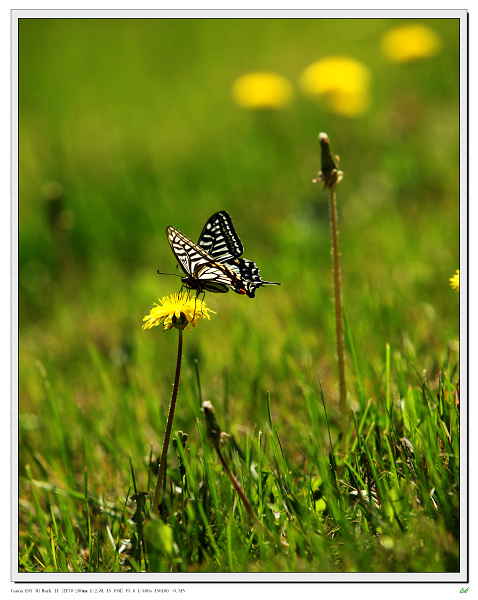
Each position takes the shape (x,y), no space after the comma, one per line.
(338,314)
(388,402)
(169,425)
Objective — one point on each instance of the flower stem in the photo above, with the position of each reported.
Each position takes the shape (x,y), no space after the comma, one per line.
(338,312)
(215,436)
(169,425)
(239,490)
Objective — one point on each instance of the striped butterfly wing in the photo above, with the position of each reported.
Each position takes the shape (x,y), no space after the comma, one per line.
(219,238)
(214,263)
(203,273)
(248,272)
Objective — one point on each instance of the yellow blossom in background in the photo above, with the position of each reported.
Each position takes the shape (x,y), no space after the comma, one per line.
(262,90)
(410,42)
(177,310)
(343,83)
(455,281)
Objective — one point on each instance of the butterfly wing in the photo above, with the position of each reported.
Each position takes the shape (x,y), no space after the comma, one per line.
(219,238)
(203,273)
(179,245)
(248,272)
(214,263)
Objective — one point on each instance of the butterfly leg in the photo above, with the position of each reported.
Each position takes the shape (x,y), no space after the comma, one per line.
(198,292)
(195,299)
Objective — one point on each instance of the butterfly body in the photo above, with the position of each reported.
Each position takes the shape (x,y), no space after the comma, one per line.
(214,263)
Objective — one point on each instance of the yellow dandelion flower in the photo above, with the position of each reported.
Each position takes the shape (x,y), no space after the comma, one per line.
(410,42)
(177,310)
(262,90)
(343,82)
(455,281)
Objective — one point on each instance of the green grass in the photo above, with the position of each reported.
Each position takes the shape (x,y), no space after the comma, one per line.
(133,122)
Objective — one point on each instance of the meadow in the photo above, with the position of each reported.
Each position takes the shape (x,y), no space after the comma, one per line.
(127,126)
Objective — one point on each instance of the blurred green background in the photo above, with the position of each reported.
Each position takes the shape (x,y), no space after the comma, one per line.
(127,126)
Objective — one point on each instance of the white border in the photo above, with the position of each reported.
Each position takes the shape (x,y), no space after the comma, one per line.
(464,429)
(134,579)
(14,291)
(214,13)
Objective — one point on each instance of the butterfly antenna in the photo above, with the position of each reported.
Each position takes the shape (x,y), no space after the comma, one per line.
(175,274)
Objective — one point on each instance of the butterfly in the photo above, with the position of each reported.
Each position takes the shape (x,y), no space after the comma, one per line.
(214,263)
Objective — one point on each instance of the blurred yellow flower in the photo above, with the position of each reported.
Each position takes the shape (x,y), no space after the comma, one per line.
(455,281)
(343,82)
(262,90)
(177,310)
(410,42)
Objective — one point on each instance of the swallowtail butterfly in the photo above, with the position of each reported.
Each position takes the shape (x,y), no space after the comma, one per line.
(214,263)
